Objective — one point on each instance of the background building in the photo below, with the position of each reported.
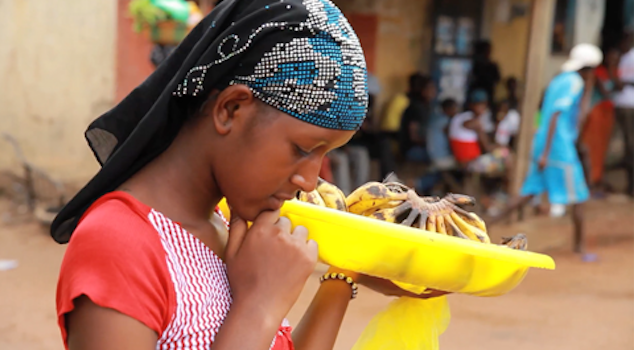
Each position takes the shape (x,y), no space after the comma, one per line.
(63,63)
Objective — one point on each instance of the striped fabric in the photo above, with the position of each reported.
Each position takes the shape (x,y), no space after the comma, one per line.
(203,295)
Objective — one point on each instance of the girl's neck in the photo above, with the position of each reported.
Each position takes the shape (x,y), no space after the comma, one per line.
(178,183)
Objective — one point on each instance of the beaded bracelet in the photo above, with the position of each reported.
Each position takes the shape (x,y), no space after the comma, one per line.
(342,277)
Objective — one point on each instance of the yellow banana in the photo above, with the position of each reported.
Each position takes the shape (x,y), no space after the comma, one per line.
(479,223)
(455,230)
(396,203)
(431,222)
(387,205)
(519,242)
(332,195)
(460,199)
(396,187)
(371,195)
(470,231)
(440,225)
(448,224)
(312,197)
(391,214)
(471,218)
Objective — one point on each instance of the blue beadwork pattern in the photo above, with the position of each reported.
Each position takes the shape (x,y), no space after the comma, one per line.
(320,78)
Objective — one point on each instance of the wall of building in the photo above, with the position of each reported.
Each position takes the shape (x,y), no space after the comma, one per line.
(402,42)
(589,16)
(511,44)
(57,71)
(508,32)
(510,36)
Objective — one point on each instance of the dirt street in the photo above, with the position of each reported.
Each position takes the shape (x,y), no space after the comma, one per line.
(581,306)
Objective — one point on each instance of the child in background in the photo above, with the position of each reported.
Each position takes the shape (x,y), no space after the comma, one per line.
(508,124)
(468,139)
(438,135)
(413,129)
(438,145)
(511,93)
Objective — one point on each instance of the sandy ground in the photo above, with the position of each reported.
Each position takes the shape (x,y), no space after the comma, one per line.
(579,306)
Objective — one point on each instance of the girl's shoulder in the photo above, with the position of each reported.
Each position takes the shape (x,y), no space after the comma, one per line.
(115,257)
(118,222)
(113,207)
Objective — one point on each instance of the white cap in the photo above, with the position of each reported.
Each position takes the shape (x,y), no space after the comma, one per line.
(581,56)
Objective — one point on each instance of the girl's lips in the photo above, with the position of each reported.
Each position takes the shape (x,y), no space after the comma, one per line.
(284,197)
(276,203)
(279,199)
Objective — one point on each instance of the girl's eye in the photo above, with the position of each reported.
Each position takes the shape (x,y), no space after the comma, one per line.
(301,152)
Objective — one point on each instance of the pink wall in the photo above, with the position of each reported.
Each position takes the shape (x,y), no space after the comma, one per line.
(133,54)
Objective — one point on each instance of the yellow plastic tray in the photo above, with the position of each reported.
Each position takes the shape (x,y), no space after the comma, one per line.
(410,255)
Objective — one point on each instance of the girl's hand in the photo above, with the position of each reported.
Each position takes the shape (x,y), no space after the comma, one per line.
(267,264)
(388,288)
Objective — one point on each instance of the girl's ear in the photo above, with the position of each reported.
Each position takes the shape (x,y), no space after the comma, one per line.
(230,108)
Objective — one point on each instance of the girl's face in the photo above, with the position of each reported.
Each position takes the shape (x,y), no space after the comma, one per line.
(264,156)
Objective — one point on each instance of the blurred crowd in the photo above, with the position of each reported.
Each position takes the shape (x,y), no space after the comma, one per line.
(434,144)
(439,145)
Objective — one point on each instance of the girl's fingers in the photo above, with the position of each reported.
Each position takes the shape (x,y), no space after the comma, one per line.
(237,231)
(300,233)
(267,219)
(284,224)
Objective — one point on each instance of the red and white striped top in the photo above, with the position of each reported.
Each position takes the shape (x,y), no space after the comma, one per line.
(131,258)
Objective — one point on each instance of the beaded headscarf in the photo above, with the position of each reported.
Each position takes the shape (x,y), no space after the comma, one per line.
(299,56)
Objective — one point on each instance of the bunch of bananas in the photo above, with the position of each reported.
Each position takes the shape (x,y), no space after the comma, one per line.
(396,203)
(325,195)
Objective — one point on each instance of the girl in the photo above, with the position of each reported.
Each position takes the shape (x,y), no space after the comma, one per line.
(245,108)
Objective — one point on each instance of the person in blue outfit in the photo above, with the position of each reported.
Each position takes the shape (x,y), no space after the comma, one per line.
(555,166)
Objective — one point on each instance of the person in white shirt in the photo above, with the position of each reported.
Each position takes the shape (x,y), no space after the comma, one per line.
(508,124)
(624,103)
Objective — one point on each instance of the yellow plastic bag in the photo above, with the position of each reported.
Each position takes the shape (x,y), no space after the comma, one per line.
(407,324)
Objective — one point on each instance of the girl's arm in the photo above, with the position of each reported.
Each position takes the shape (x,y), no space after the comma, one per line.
(319,327)
(92,327)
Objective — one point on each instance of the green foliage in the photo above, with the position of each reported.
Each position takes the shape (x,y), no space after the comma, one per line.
(144,12)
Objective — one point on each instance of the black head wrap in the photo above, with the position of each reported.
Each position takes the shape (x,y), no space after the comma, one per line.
(299,56)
